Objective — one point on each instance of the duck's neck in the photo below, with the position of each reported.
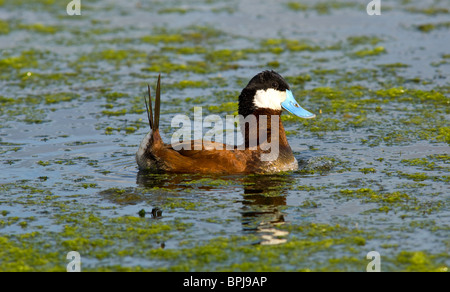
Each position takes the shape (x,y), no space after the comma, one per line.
(264,128)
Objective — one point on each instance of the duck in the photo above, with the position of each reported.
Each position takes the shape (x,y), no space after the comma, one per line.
(265,148)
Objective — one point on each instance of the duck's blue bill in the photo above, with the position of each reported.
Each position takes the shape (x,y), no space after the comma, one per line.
(292,106)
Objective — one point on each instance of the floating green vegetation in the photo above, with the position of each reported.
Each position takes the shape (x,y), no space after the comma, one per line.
(53,98)
(367,170)
(278,46)
(48,98)
(427,27)
(120,112)
(297,6)
(443,134)
(386,200)
(163,64)
(394,201)
(4,27)
(421,176)
(370,52)
(39,28)
(226,107)
(178,10)
(190,34)
(393,65)
(420,261)
(19,257)
(429,163)
(321,7)
(429,10)
(225,55)
(35,5)
(299,79)
(400,94)
(188,84)
(363,40)
(6,100)
(185,50)
(127,57)
(9,147)
(209,182)
(27,59)
(128,128)
(163,38)
(43,163)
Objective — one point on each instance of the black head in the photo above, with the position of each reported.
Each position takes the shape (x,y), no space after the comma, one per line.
(262,82)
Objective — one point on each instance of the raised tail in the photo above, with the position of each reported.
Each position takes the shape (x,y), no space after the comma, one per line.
(152,141)
(153,119)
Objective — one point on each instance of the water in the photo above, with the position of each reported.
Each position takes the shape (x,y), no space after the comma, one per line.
(373,165)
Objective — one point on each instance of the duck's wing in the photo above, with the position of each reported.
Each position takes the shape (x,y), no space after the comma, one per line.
(195,147)
(188,157)
(206,157)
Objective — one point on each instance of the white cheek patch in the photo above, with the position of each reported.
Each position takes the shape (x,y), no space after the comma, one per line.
(269,98)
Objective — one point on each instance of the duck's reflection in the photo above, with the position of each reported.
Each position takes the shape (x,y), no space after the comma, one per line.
(262,201)
(264,196)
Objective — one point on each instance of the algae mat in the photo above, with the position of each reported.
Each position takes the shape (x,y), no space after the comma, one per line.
(374,164)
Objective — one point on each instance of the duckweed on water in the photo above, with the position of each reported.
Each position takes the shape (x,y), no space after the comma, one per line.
(27,59)
(330,213)
(322,7)
(363,40)
(370,52)
(4,27)
(433,10)
(39,28)
(427,27)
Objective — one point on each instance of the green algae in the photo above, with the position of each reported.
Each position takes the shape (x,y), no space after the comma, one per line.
(4,27)
(427,27)
(370,52)
(297,6)
(278,46)
(363,40)
(164,65)
(109,237)
(432,10)
(428,163)
(321,7)
(189,84)
(38,28)
(369,107)
(21,257)
(178,10)
(26,59)
(420,261)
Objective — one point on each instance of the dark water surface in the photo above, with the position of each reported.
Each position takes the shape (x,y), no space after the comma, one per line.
(374,164)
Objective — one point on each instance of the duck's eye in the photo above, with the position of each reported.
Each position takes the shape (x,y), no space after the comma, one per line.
(275,85)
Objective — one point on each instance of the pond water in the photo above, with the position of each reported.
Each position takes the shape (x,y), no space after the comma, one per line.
(373,165)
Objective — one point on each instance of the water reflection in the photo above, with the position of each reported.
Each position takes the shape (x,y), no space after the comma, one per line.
(262,201)
(264,196)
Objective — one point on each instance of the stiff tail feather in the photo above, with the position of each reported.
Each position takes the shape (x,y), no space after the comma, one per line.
(153,119)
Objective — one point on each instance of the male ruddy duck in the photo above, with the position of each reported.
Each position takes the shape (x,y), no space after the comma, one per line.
(264,98)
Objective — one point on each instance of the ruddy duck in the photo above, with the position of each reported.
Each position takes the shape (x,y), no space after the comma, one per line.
(263,99)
